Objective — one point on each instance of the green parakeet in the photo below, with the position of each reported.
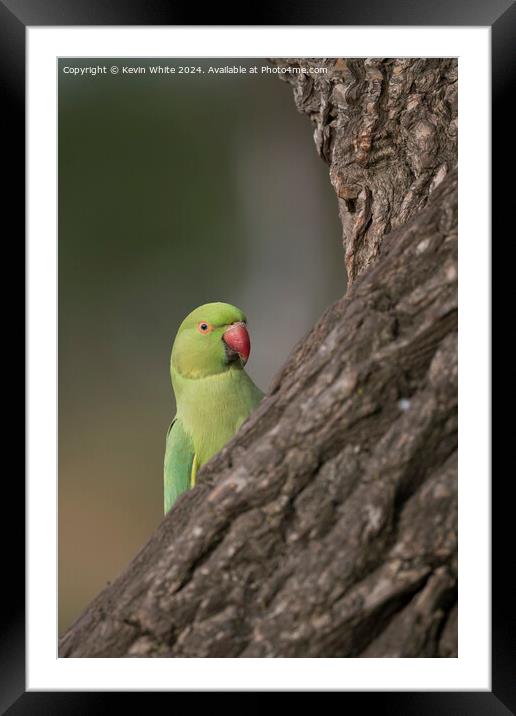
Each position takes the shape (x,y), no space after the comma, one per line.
(214,394)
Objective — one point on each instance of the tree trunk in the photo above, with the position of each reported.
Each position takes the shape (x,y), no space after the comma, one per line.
(328,526)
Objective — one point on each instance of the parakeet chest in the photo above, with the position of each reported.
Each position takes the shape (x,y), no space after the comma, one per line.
(212,409)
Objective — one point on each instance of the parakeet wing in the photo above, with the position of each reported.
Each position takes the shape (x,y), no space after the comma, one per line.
(179,459)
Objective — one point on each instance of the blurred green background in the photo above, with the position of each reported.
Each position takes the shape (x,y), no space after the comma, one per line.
(174,190)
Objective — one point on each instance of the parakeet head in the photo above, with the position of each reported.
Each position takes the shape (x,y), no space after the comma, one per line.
(213,338)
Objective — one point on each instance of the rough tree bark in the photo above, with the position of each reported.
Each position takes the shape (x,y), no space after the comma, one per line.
(328,526)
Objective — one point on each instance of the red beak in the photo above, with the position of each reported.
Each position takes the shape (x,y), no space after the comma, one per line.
(237,340)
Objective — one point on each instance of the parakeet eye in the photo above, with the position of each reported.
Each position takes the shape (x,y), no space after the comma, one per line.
(204,327)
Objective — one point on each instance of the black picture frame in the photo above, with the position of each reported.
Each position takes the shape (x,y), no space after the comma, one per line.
(15,16)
